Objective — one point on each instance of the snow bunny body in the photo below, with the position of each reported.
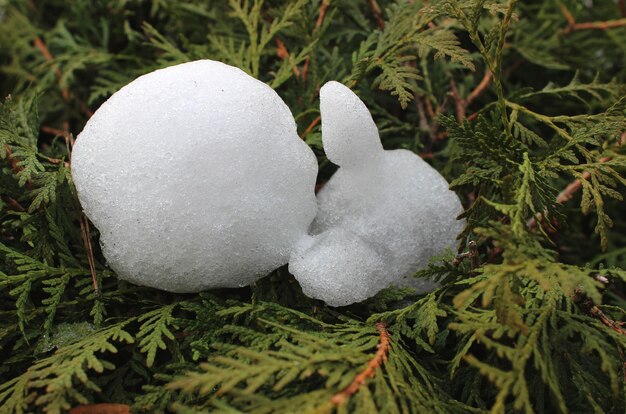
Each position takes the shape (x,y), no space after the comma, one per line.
(196,178)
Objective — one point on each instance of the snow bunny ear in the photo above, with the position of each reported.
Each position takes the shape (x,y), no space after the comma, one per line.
(349,134)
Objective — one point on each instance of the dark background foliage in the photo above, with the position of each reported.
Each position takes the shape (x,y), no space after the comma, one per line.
(519,104)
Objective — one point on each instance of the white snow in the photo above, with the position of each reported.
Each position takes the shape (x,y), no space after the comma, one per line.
(338,267)
(389,210)
(196,178)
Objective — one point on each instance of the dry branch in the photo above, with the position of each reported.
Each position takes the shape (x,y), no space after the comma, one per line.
(573,26)
(65,93)
(318,24)
(84,226)
(480,88)
(461,104)
(610,24)
(378,14)
(573,187)
(312,125)
(616,326)
(41,46)
(384,345)
(283,54)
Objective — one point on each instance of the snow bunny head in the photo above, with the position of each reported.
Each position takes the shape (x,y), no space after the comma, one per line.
(196,178)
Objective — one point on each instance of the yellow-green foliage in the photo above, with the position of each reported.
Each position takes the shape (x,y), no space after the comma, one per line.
(511,101)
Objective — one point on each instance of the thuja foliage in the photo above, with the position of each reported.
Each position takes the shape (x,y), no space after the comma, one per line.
(521,105)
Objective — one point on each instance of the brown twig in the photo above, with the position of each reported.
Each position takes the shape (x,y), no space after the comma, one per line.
(281,49)
(52,160)
(429,108)
(69,144)
(283,54)
(471,253)
(566,195)
(85,109)
(566,13)
(573,26)
(442,135)
(480,88)
(427,123)
(84,226)
(65,93)
(318,24)
(585,304)
(312,125)
(424,124)
(573,187)
(15,167)
(461,104)
(616,326)
(473,116)
(102,408)
(41,46)
(384,345)
(378,14)
(51,130)
(596,25)
(568,192)
(12,160)
(12,204)
(322,15)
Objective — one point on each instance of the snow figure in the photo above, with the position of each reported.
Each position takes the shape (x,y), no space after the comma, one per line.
(196,179)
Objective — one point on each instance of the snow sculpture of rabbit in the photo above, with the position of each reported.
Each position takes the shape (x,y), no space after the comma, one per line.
(196,178)
(380,217)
